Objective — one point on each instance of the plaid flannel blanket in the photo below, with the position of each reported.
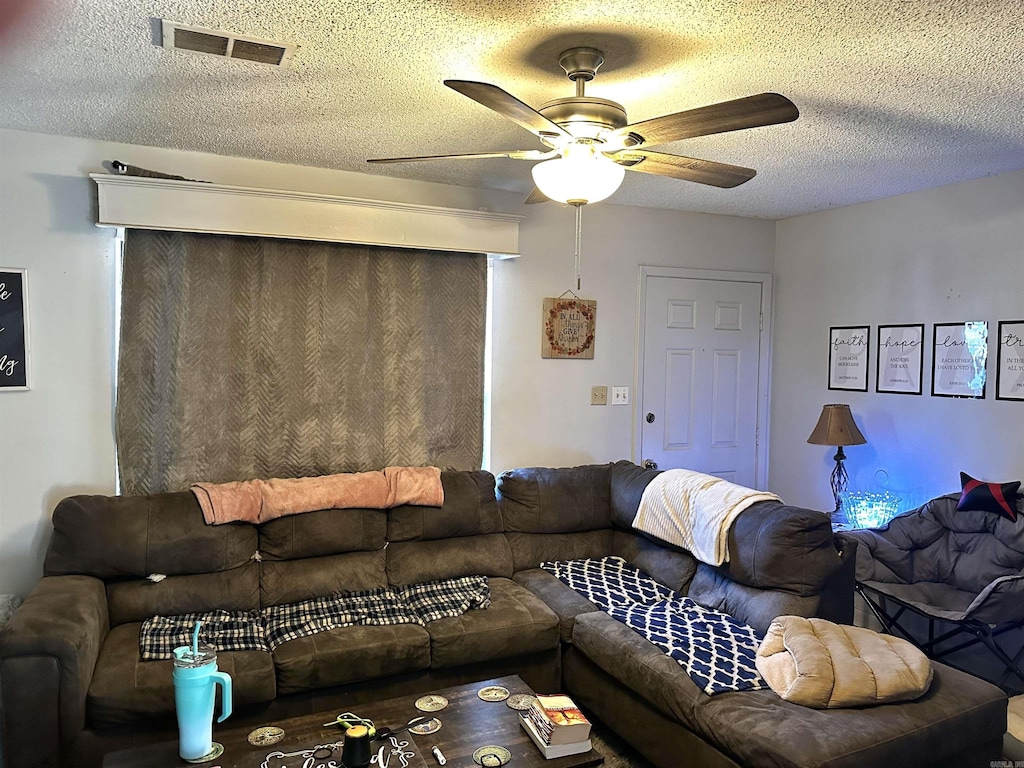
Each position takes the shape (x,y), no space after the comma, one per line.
(266,630)
(716,651)
(224,630)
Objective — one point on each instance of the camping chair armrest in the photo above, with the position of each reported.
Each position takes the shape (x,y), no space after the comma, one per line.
(1000,602)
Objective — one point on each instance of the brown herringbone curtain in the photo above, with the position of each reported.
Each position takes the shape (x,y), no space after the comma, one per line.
(246,357)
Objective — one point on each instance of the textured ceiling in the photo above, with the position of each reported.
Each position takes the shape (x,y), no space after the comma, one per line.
(894,96)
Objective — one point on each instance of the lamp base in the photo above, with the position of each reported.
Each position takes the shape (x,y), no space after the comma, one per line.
(839,478)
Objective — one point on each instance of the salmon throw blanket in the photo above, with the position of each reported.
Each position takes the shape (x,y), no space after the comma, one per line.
(257,501)
(819,664)
(694,511)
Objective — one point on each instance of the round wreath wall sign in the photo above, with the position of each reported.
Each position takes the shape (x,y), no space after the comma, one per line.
(569,329)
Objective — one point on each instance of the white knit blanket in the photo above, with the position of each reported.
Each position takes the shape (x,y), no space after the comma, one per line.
(695,511)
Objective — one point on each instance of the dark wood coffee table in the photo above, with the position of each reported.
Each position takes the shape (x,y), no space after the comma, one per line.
(467,724)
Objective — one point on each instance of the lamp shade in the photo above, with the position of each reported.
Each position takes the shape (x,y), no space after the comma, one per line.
(836,427)
(580,175)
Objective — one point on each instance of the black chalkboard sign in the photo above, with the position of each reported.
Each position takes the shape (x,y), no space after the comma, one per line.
(13,329)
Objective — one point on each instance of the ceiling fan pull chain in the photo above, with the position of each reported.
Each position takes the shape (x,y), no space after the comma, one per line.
(579,236)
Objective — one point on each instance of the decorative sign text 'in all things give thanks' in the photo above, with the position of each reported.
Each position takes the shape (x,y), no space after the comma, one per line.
(13,330)
(568,329)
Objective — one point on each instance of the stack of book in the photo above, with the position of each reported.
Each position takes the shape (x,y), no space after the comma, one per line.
(556,726)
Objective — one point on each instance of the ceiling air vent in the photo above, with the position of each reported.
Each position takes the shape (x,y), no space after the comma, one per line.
(217,42)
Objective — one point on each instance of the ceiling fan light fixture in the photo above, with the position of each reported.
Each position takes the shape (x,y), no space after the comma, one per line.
(580,175)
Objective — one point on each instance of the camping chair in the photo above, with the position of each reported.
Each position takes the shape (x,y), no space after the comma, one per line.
(961,567)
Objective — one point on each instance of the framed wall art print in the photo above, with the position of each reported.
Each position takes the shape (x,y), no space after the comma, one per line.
(14,337)
(959,359)
(849,353)
(900,359)
(1010,361)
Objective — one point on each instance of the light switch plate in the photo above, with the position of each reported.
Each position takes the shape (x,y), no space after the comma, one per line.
(620,395)
(599,395)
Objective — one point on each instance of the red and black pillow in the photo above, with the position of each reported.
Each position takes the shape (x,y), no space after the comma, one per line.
(1000,498)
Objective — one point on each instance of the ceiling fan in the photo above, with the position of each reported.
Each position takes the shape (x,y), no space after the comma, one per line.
(589,143)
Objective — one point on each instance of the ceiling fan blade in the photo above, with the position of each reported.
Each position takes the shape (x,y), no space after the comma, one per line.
(685,168)
(507,105)
(537,197)
(524,154)
(736,115)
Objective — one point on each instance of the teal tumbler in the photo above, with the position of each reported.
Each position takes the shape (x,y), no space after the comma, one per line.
(195,690)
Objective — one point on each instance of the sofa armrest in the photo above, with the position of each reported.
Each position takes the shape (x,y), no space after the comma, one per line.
(48,652)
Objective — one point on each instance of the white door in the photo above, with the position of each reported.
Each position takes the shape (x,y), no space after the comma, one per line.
(701,371)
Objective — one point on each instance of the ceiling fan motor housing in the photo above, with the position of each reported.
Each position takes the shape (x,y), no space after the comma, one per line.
(585,116)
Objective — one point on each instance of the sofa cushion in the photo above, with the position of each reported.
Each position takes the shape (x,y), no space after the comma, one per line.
(666,564)
(350,655)
(756,607)
(543,500)
(324,532)
(531,549)
(627,483)
(116,536)
(517,622)
(638,665)
(139,599)
(470,509)
(289,581)
(565,601)
(414,562)
(760,730)
(776,546)
(125,689)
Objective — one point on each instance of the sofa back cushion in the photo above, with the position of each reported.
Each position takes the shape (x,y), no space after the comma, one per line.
(627,483)
(470,509)
(321,533)
(461,538)
(289,581)
(666,564)
(757,607)
(139,599)
(135,536)
(545,500)
(315,554)
(776,546)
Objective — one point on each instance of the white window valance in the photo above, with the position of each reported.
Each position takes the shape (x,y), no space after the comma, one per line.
(190,206)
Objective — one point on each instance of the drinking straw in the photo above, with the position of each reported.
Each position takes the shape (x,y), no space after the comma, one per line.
(195,640)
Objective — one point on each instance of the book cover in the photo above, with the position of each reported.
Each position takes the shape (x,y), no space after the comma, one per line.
(558,720)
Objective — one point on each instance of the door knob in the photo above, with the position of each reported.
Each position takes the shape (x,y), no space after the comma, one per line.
(650,418)
(650,464)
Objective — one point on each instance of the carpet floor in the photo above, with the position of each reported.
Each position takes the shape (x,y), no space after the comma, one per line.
(617,753)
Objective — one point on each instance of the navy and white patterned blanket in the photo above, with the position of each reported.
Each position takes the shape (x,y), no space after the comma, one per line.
(714,649)
(266,630)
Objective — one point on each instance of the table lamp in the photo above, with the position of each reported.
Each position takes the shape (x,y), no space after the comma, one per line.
(836,427)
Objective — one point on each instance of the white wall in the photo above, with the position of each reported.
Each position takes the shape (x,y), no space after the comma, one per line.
(57,439)
(948,254)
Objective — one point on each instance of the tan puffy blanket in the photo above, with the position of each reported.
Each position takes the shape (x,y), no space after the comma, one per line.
(819,664)
(257,501)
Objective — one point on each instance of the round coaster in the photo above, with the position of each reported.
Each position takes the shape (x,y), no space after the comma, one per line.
(265,736)
(493,693)
(491,756)
(520,701)
(431,703)
(213,754)
(430,726)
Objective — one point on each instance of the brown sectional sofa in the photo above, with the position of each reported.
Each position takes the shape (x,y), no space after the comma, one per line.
(73,643)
